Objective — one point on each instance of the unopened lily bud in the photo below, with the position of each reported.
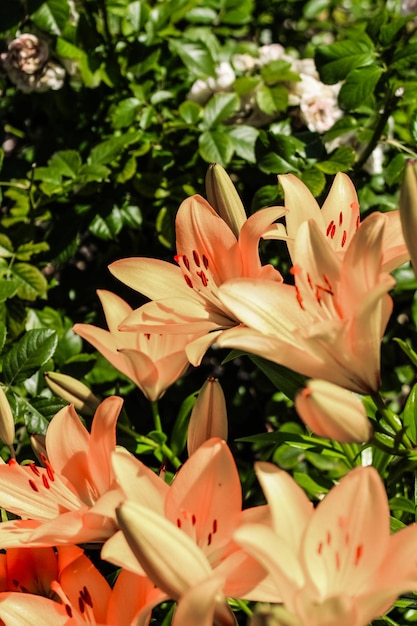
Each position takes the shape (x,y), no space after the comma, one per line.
(332,411)
(38,446)
(208,417)
(223,197)
(7,432)
(72,390)
(408,209)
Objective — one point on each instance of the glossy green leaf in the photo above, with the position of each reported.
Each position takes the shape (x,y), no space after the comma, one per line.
(359,87)
(335,61)
(215,147)
(29,354)
(32,283)
(219,108)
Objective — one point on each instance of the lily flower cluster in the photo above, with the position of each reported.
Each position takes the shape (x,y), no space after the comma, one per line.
(190,541)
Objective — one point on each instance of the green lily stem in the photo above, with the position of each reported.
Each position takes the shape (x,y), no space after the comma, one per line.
(156,416)
(392,420)
(351,453)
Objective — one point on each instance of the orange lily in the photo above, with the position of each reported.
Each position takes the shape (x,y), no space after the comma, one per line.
(339,218)
(330,323)
(185,298)
(152,360)
(336,564)
(181,535)
(72,498)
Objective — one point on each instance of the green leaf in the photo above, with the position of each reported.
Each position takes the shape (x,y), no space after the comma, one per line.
(390,32)
(107,227)
(278,71)
(272,163)
(244,140)
(66,162)
(404,56)
(8,288)
(340,161)
(409,414)
(136,16)
(27,250)
(6,246)
(52,16)
(284,379)
(336,60)
(315,180)
(28,355)
(272,99)
(109,150)
(124,114)
(179,431)
(32,283)
(394,169)
(190,112)
(359,87)
(131,215)
(93,173)
(196,57)
(35,422)
(219,108)
(3,335)
(215,147)
(236,12)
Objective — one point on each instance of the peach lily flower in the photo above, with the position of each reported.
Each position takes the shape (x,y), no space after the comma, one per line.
(332,411)
(152,360)
(338,563)
(339,218)
(73,587)
(181,535)
(185,298)
(328,325)
(72,498)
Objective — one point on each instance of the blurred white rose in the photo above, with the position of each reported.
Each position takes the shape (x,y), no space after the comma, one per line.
(202,90)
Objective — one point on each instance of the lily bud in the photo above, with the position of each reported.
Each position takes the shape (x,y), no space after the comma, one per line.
(7,432)
(38,446)
(332,411)
(223,197)
(208,417)
(72,390)
(408,209)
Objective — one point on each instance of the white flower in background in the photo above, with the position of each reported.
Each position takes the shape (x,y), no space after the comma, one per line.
(202,90)
(408,7)
(27,54)
(317,102)
(244,62)
(273,52)
(27,66)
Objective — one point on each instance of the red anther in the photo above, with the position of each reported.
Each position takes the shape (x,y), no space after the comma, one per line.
(358,221)
(147,335)
(340,218)
(320,548)
(328,538)
(214,526)
(32,484)
(85,594)
(203,278)
(333,231)
(177,258)
(329,228)
(186,262)
(11,462)
(34,469)
(344,237)
(359,553)
(193,519)
(45,482)
(205,261)
(299,298)
(309,281)
(178,522)
(68,610)
(209,539)
(188,280)
(196,258)
(81,604)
